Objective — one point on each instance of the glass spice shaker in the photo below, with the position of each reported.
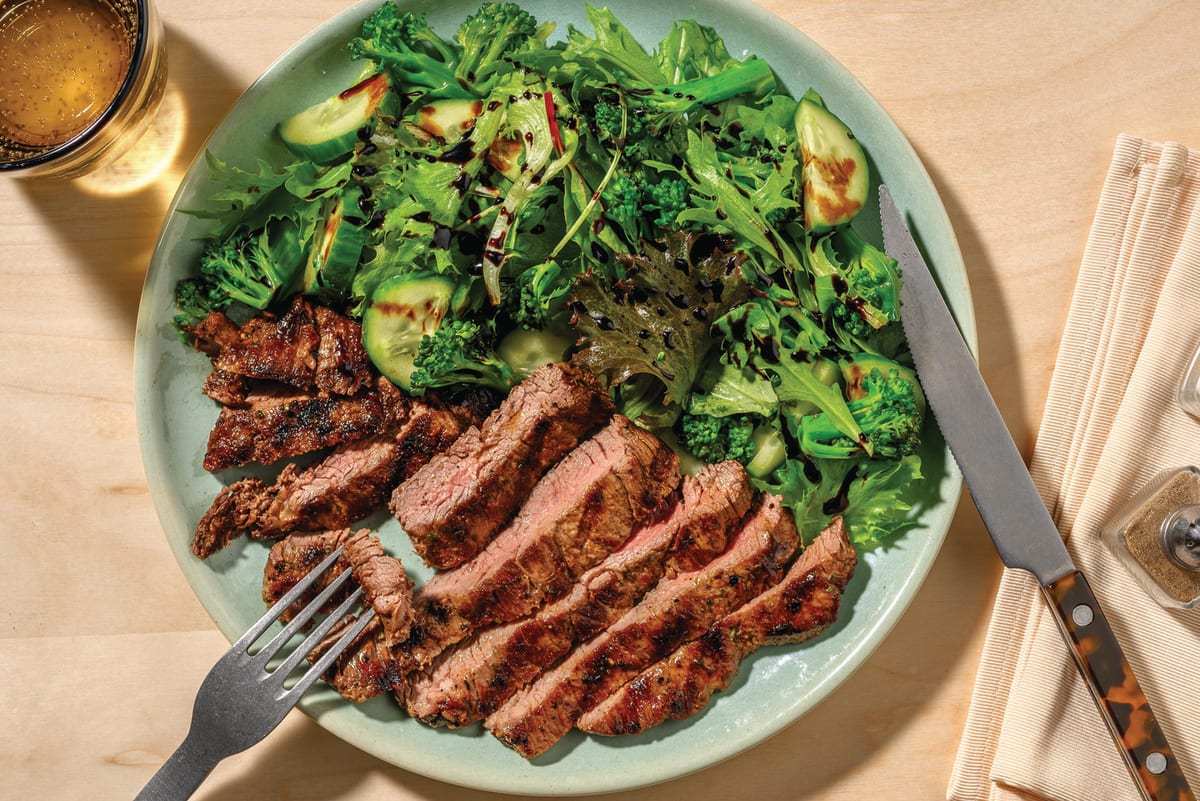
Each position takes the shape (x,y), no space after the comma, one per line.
(1156,535)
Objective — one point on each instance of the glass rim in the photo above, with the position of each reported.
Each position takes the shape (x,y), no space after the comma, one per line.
(53,152)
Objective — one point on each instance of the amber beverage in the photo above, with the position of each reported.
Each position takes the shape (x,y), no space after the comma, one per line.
(79,82)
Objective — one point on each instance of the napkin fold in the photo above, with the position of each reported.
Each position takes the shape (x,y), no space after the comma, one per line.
(1110,425)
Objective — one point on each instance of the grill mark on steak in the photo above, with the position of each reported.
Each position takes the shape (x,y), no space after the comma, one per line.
(365,669)
(454,505)
(282,423)
(677,610)
(471,681)
(345,486)
(582,510)
(802,605)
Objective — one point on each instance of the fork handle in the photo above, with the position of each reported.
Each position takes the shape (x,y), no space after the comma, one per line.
(181,774)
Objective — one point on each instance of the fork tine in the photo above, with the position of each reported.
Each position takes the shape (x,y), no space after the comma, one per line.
(289,598)
(326,659)
(301,619)
(317,634)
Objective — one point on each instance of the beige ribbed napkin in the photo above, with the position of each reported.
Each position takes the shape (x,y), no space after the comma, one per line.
(1111,424)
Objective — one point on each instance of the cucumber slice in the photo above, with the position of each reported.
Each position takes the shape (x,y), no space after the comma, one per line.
(449,119)
(329,129)
(333,261)
(402,310)
(834,170)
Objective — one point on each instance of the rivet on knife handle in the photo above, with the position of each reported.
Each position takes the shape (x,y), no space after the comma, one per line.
(1116,690)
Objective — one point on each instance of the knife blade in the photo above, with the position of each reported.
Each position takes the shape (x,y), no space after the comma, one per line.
(1015,516)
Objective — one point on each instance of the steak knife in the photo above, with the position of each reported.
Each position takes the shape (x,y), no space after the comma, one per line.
(1016,517)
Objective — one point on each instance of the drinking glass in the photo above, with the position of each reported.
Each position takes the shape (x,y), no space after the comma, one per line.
(80,81)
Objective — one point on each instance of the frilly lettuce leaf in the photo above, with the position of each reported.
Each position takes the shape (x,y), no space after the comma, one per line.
(654,324)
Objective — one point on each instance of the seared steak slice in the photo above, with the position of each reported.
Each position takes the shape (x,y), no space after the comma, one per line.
(386,587)
(276,347)
(345,486)
(285,423)
(472,680)
(227,389)
(802,605)
(675,611)
(293,558)
(582,510)
(308,347)
(456,503)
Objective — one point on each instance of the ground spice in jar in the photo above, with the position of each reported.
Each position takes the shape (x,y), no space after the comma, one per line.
(1142,536)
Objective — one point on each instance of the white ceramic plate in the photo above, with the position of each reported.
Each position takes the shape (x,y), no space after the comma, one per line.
(777,685)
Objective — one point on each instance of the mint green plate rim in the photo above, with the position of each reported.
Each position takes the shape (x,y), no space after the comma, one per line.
(777,685)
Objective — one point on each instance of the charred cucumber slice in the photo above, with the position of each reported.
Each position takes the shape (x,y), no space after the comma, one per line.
(329,129)
(834,168)
(402,310)
(449,119)
(333,259)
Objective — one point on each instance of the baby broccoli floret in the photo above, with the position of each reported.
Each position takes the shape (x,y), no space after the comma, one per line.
(856,284)
(622,200)
(251,268)
(716,439)
(458,352)
(493,32)
(195,300)
(886,400)
(542,291)
(668,198)
(406,46)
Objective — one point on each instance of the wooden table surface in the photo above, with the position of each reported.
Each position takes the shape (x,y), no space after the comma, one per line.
(1014,105)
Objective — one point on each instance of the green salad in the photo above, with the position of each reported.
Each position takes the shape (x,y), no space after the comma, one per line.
(492,200)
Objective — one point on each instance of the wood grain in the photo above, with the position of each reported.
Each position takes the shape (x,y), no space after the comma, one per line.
(1014,105)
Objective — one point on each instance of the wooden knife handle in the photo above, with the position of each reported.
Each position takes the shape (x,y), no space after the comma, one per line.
(1116,690)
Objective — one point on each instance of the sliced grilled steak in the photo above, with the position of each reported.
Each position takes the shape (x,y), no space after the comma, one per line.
(675,611)
(227,389)
(582,510)
(307,347)
(802,605)
(345,486)
(472,680)
(454,505)
(366,669)
(276,424)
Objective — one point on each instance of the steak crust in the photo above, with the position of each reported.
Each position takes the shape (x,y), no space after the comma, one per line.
(455,504)
(802,605)
(675,611)
(472,680)
(584,508)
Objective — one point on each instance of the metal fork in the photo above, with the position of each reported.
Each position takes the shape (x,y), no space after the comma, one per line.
(243,699)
